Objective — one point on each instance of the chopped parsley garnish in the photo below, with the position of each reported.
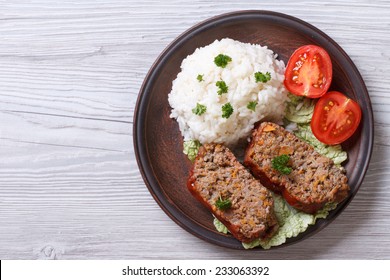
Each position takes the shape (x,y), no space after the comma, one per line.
(223,204)
(260,77)
(199,77)
(252,105)
(199,109)
(280,163)
(227,110)
(222,60)
(223,88)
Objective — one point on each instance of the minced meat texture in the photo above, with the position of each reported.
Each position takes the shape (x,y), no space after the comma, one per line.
(217,175)
(314,179)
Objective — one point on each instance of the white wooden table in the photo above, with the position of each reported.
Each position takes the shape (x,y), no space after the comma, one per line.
(70,73)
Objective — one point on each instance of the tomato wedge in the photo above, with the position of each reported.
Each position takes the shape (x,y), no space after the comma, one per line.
(308,72)
(336,117)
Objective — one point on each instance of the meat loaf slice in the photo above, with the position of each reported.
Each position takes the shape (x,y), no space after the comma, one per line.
(218,176)
(314,179)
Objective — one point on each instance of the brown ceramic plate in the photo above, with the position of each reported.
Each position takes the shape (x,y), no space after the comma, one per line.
(157,139)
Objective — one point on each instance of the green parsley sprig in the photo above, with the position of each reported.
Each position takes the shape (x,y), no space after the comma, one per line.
(223,204)
(252,105)
(222,60)
(199,109)
(223,88)
(279,163)
(227,110)
(263,78)
(200,78)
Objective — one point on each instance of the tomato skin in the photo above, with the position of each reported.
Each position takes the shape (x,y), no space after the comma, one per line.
(336,117)
(309,72)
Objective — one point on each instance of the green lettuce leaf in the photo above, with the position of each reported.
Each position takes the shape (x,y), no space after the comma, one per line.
(291,223)
(191,148)
(220,226)
(299,109)
(334,152)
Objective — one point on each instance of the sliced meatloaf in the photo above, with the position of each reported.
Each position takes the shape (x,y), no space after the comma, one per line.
(232,194)
(313,181)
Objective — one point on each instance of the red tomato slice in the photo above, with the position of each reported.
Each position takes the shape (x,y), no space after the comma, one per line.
(336,117)
(308,72)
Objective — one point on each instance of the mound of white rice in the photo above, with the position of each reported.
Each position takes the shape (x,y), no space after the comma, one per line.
(246,60)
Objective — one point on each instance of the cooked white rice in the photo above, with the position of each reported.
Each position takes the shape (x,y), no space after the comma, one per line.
(238,75)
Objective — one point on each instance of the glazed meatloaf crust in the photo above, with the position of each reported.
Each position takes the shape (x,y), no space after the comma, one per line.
(314,179)
(218,176)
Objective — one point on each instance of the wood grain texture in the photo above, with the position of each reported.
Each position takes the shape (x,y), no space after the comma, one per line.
(70,73)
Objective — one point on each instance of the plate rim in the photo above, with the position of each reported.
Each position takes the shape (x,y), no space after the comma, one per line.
(152,183)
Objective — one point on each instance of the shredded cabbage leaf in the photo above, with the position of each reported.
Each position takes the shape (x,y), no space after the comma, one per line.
(191,148)
(291,223)
(220,226)
(334,152)
(299,111)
